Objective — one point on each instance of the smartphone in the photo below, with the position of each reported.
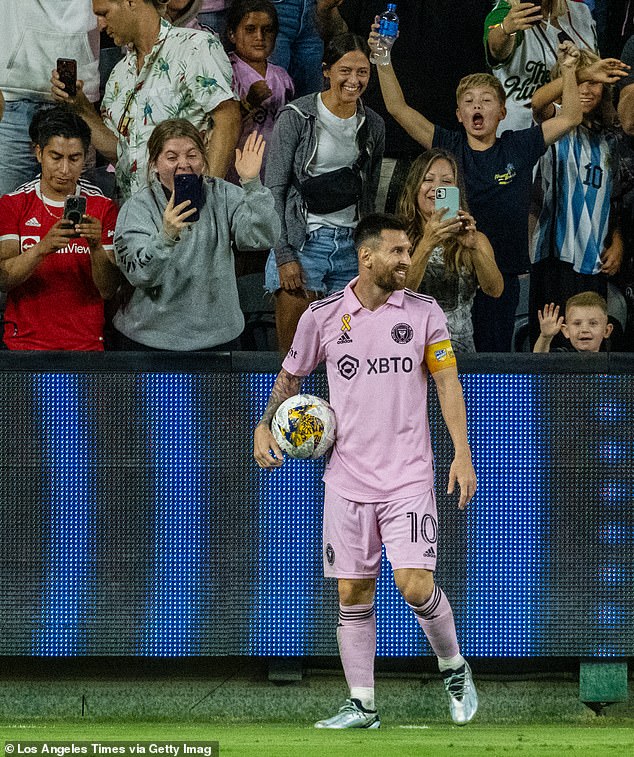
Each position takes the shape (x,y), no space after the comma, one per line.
(189,186)
(563,37)
(448,197)
(67,72)
(74,209)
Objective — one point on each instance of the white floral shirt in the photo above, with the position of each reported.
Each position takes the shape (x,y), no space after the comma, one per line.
(186,75)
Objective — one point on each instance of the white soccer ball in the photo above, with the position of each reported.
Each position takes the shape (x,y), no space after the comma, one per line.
(304,426)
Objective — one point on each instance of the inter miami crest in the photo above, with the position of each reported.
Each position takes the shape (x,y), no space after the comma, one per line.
(402,333)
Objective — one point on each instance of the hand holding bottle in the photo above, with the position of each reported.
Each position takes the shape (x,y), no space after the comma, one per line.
(383,35)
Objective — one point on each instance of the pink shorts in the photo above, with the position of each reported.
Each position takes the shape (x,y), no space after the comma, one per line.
(354,531)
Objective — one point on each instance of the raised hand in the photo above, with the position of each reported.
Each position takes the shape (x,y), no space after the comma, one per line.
(249,159)
(373,38)
(80,101)
(521,17)
(568,55)
(550,322)
(468,233)
(605,71)
(439,229)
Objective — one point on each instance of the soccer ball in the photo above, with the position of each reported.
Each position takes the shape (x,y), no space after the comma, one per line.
(304,426)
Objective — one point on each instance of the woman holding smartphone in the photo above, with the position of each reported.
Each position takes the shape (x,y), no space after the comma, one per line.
(184,294)
(450,258)
(521,41)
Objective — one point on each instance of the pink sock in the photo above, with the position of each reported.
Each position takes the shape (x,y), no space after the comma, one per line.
(436,620)
(356,636)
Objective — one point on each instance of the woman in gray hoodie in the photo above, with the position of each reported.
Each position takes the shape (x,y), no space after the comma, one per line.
(184,294)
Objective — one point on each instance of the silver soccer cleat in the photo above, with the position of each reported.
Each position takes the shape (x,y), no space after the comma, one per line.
(351,715)
(462,694)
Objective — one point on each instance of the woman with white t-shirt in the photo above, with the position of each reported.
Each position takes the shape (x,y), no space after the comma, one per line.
(323,170)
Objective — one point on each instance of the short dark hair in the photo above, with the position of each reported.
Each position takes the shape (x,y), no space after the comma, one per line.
(342,44)
(371,226)
(240,8)
(58,121)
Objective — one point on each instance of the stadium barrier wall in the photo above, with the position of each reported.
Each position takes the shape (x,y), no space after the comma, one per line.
(134,521)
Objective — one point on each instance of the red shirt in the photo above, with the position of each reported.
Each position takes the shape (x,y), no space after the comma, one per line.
(58,307)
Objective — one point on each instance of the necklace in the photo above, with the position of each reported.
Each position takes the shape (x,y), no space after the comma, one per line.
(47,209)
(52,215)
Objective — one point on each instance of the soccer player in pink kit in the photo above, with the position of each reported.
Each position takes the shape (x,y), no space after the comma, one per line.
(380,342)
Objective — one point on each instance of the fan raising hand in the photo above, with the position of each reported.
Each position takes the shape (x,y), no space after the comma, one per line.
(249,159)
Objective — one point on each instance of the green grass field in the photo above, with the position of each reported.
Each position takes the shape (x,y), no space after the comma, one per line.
(249,716)
(300,740)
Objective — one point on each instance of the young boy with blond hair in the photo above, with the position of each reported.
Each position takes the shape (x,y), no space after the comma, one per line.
(585,325)
(498,173)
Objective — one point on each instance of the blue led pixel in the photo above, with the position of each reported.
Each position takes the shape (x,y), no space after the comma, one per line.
(611,614)
(612,532)
(612,574)
(613,411)
(504,542)
(179,479)
(141,525)
(68,508)
(290,505)
(613,452)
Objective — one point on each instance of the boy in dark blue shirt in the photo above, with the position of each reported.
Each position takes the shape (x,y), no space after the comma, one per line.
(498,173)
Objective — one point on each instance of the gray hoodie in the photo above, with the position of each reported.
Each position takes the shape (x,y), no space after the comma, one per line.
(291,148)
(185,296)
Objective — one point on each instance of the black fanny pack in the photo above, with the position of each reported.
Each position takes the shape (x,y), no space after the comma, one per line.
(331,191)
(336,190)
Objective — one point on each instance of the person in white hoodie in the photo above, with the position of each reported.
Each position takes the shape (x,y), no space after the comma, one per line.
(33,35)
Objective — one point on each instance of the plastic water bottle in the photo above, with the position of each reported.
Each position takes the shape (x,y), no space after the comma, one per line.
(388,32)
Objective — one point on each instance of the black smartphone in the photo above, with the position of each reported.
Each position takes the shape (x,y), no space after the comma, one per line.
(67,72)
(74,209)
(563,36)
(189,186)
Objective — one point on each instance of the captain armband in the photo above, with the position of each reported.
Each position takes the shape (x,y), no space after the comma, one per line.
(439,356)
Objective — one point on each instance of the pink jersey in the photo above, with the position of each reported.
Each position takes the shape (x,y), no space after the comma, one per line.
(58,307)
(377,374)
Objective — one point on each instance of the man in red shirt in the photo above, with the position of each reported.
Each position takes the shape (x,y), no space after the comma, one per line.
(56,274)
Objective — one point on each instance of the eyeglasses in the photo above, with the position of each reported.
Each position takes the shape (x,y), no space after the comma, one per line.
(123,127)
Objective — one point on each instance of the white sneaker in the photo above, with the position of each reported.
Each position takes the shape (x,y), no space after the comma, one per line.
(351,715)
(462,694)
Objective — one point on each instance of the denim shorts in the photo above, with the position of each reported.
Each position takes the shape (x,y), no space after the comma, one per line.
(328,260)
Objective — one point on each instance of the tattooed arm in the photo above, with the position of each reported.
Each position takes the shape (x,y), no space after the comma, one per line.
(265,449)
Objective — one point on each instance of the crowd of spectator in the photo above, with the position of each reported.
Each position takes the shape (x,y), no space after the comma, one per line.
(286,135)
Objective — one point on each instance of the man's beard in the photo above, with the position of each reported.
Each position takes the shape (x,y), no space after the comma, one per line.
(390,283)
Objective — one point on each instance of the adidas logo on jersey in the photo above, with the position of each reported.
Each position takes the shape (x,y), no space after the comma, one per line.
(430,553)
(32,222)
(344,339)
